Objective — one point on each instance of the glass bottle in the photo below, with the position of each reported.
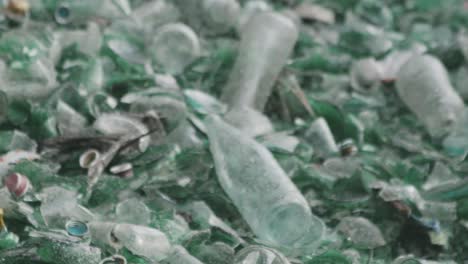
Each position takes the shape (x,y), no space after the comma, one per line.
(423,84)
(267,41)
(267,199)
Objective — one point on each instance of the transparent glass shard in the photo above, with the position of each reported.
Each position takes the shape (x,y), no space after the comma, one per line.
(69,121)
(362,232)
(440,175)
(120,125)
(249,121)
(321,138)
(59,205)
(366,74)
(133,211)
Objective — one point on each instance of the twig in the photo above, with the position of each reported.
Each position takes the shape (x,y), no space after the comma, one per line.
(95,171)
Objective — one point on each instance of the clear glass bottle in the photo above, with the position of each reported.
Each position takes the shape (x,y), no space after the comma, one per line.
(423,84)
(79,12)
(271,204)
(267,41)
(72,12)
(140,240)
(249,9)
(143,241)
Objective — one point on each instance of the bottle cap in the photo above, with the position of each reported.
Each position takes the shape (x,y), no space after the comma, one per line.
(76,228)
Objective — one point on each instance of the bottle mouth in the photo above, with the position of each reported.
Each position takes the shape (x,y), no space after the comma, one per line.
(89,158)
(63,14)
(116,259)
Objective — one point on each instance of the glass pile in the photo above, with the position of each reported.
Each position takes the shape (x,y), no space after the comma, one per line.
(233,131)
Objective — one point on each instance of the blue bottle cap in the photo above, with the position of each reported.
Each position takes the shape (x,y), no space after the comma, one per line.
(76,228)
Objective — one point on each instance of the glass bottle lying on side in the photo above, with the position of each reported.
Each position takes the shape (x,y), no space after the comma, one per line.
(268,200)
(423,84)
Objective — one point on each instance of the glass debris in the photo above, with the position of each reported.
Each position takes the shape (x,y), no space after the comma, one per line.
(233,131)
